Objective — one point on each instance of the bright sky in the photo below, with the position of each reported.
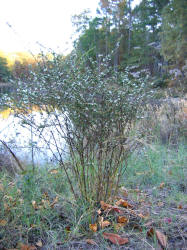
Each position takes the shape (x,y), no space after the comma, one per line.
(45,21)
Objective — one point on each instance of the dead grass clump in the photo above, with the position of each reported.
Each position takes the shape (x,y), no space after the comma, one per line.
(166,120)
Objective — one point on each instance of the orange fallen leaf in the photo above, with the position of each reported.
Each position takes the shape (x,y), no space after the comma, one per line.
(27,247)
(105,206)
(53,171)
(103,223)
(124,203)
(145,217)
(93,227)
(122,219)
(132,212)
(162,239)
(91,242)
(162,185)
(3,223)
(115,238)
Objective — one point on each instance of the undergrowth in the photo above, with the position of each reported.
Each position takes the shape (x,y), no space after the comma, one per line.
(40,209)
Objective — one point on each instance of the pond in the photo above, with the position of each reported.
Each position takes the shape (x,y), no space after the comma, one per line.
(26,143)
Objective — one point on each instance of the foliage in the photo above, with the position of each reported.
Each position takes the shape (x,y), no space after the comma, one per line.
(174,30)
(92,110)
(4,71)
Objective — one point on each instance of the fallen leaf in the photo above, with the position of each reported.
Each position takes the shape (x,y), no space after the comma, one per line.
(117,210)
(93,227)
(115,238)
(3,223)
(105,206)
(124,191)
(18,191)
(8,197)
(12,184)
(151,232)
(34,205)
(53,171)
(122,219)
(162,239)
(162,185)
(21,201)
(45,203)
(54,202)
(160,204)
(103,223)
(145,217)
(39,243)
(68,229)
(91,242)
(124,203)
(46,195)
(118,226)
(179,206)
(27,247)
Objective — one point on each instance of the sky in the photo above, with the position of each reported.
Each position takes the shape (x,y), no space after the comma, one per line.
(27,24)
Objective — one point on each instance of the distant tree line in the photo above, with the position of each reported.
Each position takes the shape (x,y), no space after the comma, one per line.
(151,36)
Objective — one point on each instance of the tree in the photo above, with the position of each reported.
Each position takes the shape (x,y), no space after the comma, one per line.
(4,71)
(174,33)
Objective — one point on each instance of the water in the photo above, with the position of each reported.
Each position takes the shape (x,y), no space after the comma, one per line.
(28,143)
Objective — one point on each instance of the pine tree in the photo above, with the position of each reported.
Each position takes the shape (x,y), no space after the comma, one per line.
(174,33)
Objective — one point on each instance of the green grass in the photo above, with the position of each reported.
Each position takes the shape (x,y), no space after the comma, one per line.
(153,165)
(68,219)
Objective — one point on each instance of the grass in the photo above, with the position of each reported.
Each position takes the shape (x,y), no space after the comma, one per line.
(40,208)
(156,164)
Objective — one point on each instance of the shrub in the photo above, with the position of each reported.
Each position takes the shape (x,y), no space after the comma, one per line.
(91,109)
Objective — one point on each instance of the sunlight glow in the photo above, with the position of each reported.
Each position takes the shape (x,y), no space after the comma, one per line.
(27,25)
